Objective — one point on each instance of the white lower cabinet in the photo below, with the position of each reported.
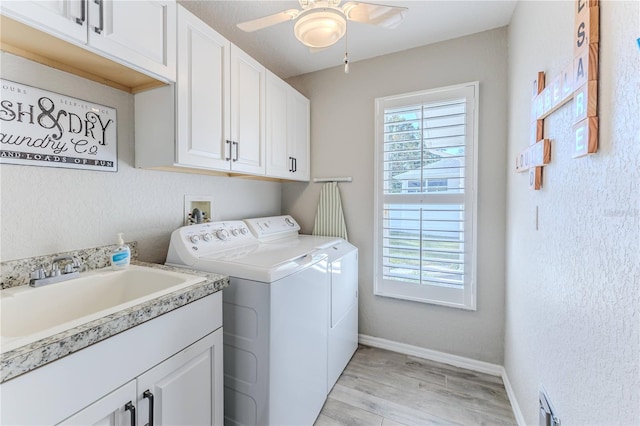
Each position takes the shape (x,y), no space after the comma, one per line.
(113,409)
(185,389)
(159,396)
(176,358)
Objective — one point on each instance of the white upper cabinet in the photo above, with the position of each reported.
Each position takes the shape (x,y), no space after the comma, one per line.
(287,131)
(220,101)
(66,19)
(203,101)
(137,33)
(279,162)
(247,113)
(298,128)
(218,108)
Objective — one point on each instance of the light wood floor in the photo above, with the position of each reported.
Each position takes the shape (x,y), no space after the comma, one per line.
(385,388)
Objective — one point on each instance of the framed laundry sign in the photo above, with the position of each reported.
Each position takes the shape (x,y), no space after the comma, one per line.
(42,128)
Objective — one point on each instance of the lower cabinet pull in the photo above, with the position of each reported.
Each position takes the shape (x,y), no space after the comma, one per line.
(130,407)
(149,395)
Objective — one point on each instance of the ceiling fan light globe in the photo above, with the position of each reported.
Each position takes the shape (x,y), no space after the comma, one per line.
(320,28)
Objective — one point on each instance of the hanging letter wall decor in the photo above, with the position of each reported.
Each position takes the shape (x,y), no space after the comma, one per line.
(578,81)
(41,128)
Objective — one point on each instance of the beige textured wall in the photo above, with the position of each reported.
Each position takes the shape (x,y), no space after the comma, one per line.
(47,210)
(342,135)
(573,286)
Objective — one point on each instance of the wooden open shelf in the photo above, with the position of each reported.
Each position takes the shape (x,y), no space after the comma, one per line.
(22,40)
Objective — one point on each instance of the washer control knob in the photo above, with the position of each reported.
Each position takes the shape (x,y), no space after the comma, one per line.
(244,231)
(235,232)
(222,234)
(207,237)
(194,239)
(288,221)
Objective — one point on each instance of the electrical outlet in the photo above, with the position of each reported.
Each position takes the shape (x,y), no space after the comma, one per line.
(548,415)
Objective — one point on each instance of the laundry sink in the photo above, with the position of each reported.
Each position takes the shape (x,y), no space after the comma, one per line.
(29,314)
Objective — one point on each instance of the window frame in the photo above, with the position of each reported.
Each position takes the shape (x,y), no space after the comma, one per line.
(463,298)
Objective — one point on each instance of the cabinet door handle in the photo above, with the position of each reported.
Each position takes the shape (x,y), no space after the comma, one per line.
(290,164)
(130,407)
(237,145)
(99,28)
(83,13)
(295,164)
(228,157)
(149,395)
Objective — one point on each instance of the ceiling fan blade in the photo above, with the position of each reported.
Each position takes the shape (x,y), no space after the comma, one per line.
(267,21)
(375,14)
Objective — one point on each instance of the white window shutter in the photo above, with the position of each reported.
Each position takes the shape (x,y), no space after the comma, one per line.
(425,198)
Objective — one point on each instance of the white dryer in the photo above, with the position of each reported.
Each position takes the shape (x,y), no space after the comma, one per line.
(275,321)
(342,261)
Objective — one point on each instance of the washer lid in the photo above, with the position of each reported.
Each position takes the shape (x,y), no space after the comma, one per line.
(262,256)
(259,263)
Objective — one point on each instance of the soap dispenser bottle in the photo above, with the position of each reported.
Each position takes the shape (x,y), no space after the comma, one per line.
(121,255)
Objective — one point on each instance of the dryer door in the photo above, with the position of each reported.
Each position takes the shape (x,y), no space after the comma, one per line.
(343,331)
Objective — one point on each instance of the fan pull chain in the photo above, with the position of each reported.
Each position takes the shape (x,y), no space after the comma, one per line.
(346,49)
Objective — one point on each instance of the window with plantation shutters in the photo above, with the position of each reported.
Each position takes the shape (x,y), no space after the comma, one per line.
(425,196)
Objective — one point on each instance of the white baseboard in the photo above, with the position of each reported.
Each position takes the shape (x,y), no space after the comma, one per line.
(515,407)
(455,360)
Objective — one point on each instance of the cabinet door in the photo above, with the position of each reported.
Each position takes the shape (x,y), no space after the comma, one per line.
(202,94)
(287,142)
(279,163)
(247,113)
(66,19)
(298,132)
(187,388)
(141,33)
(109,410)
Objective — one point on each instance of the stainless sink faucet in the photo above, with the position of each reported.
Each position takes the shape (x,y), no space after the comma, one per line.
(73,266)
(41,277)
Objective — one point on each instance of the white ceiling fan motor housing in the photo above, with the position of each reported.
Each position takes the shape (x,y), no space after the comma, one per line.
(320,28)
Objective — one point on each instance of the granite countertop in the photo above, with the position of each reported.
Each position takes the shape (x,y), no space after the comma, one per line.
(31,356)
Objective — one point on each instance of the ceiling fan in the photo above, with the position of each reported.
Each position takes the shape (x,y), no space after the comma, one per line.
(321,23)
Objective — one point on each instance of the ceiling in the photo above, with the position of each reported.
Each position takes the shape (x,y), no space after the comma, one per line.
(276,47)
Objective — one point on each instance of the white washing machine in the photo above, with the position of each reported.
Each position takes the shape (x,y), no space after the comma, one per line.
(275,321)
(343,285)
